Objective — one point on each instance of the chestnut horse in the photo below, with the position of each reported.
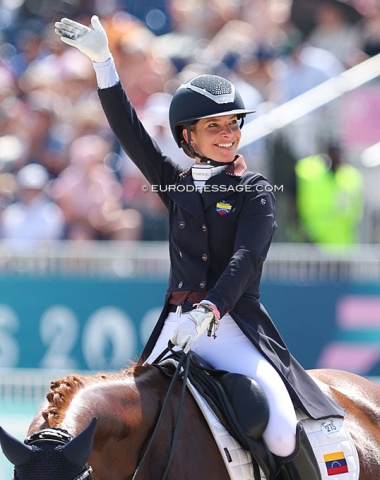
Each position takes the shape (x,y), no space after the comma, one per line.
(127,406)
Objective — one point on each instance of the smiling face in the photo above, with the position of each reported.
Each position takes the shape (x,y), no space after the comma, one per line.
(216,137)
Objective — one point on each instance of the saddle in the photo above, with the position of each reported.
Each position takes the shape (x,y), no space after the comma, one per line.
(231,397)
(237,412)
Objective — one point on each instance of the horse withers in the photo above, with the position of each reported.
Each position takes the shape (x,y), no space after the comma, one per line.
(97,427)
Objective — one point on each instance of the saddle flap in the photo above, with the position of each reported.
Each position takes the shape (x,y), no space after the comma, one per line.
(248,401)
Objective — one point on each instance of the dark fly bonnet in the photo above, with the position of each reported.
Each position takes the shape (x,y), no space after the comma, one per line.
(50,454)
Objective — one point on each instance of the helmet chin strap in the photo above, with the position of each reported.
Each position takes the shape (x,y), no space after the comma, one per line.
(203,159)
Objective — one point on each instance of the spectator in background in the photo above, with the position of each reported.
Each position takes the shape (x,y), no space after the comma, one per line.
(90,195)
(29,47)
(139,197)
(188,36)
(303,67)
(300,69)
(8,189)
(47,95)
(369,29)
(43,141)
(257,69)
(329,199)
(33,219)
(143,67)
(334,33)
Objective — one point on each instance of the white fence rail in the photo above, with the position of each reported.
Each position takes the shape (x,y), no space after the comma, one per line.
(151,260)
(29,386)
(311,100)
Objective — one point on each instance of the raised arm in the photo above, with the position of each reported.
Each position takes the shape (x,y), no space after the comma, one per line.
(121,115)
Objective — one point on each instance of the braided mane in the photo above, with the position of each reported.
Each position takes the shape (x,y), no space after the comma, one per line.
(63,390)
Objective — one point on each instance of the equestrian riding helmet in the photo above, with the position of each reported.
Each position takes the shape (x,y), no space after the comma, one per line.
(202,97)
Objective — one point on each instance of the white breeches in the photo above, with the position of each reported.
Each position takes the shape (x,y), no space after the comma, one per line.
(233,352)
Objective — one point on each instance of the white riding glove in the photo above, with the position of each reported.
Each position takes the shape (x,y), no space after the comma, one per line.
(91,42)
(197,321)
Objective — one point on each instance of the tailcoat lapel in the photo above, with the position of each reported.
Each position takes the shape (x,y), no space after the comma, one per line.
(187,197)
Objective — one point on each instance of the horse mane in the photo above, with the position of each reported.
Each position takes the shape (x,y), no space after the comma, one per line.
(64,389)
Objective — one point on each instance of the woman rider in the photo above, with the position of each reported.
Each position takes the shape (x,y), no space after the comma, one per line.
(222,219)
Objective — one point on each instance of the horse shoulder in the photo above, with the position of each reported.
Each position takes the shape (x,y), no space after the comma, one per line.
(349,387)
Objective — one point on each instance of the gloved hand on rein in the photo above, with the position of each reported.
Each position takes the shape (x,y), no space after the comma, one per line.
(196,322)
(91,42)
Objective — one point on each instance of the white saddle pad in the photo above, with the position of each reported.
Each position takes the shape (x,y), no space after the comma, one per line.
(333,447)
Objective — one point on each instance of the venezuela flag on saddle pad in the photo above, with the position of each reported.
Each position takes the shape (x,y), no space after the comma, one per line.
(335,463)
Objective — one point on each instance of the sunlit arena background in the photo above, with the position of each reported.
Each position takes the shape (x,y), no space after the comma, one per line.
(81,290)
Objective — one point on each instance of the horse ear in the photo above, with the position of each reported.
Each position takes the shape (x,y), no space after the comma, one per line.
(78,450)
(15,451)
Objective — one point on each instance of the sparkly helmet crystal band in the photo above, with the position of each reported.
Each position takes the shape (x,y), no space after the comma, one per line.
(202,97)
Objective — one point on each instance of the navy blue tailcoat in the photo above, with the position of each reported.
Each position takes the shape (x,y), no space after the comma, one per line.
(218,241)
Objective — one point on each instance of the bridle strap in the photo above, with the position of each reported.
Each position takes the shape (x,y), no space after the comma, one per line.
(85,474)
(52,435)
(184,359)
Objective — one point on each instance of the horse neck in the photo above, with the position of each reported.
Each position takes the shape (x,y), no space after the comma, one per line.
(127,407)
(120,401)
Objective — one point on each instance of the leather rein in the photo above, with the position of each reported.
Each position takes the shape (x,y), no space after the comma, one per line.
(184,362)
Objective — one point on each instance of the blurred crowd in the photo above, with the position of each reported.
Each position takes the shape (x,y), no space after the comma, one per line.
(62,173)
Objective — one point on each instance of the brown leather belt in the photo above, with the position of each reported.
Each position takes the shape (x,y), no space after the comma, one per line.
(186,307)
